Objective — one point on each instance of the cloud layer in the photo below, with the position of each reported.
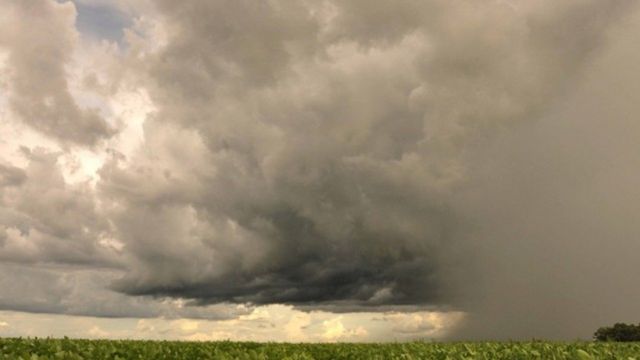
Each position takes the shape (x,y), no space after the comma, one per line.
(334,155)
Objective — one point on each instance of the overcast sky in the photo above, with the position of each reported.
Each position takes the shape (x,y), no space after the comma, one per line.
(330,170)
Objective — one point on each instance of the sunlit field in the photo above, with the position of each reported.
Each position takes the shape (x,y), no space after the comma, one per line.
(110,349)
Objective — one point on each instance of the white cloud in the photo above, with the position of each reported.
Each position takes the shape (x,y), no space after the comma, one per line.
(97,332)
(334,330)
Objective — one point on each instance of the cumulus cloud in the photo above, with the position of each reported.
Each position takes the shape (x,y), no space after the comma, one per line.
(40,37)
(44,219)
(341,156)
(313,161)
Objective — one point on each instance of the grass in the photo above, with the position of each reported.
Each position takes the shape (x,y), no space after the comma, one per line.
(39,349)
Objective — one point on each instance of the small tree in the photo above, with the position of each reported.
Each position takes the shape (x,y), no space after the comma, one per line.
(618,332)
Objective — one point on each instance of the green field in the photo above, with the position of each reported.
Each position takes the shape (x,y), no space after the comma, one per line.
(128,349)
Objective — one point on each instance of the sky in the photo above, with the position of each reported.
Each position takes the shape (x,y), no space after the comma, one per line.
(329,170)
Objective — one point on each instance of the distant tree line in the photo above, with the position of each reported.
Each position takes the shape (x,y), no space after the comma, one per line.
(618,332)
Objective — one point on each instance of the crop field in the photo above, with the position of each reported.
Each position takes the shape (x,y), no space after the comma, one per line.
(38,349)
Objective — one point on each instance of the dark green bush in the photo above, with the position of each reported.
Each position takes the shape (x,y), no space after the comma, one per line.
(618,332)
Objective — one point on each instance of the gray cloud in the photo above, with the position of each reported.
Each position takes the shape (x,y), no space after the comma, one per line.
(11,175)
(44,219)
(40,36)
(83,292)
(336,155)
(322,155)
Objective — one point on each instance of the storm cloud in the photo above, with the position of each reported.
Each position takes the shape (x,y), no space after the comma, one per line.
(321,154)
(341,155)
